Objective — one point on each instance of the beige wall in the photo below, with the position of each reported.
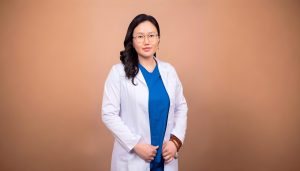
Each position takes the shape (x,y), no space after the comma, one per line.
(239,62)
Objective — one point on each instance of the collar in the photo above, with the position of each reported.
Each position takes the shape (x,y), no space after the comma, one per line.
(162,70)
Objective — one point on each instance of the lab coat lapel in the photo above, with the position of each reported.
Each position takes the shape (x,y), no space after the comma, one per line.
(163,73)
(140,77)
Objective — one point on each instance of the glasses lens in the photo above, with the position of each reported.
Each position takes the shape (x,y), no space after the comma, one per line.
(141,38)
(151,37)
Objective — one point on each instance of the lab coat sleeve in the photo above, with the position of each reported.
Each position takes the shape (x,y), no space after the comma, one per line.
(111,112)
(180,112)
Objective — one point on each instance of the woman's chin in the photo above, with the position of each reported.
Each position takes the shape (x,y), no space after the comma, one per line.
(147,55)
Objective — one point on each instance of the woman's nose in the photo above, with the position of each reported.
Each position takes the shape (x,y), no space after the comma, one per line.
(146,40)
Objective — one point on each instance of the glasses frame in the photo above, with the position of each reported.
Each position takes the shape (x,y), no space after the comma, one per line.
(144,37)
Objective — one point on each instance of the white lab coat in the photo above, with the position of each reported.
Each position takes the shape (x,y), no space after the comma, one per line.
(125,113)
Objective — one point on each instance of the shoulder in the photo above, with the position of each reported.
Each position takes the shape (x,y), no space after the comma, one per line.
(118,66)
(167,66)
(118,69)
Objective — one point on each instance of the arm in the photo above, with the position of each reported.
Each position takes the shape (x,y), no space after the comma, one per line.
(180,113)
(111,109)
(180,123)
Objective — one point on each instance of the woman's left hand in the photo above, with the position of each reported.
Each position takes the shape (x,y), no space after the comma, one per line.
(168,151)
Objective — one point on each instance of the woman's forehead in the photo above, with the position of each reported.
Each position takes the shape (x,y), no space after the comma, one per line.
(145,28)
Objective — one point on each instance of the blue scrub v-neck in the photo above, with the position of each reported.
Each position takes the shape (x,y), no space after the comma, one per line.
(158,107)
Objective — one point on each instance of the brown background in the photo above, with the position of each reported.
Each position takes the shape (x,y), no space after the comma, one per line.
(239,62)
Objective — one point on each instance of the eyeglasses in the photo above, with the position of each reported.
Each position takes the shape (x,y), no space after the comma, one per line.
(141,37)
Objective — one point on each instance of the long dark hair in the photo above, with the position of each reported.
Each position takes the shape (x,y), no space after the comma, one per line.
(129,56)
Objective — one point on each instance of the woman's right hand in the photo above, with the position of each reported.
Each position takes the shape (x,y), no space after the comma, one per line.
(145,151)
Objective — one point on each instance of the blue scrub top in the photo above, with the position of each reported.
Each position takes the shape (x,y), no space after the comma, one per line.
(159,104)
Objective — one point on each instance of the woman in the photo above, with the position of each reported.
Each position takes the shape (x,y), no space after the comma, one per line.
(143,104)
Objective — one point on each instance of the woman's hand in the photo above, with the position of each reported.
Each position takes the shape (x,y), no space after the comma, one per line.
(146,151)
(168,151)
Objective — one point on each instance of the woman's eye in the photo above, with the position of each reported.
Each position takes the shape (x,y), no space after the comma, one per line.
(140,37)
(151,35)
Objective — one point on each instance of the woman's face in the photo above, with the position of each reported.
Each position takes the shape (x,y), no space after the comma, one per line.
(145,39)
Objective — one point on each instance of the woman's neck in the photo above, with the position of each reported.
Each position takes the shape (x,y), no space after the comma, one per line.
(148,63)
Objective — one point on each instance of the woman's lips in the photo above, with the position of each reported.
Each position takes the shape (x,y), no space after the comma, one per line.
(147,49)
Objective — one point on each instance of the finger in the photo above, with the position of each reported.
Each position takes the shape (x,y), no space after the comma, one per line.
(155,147)
(150,158)
(165,144)
(169,160)
(166,153)
(167,156)
(154,153)
(165,150)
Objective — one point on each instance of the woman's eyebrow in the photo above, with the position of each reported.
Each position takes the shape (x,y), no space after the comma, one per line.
(145,33)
